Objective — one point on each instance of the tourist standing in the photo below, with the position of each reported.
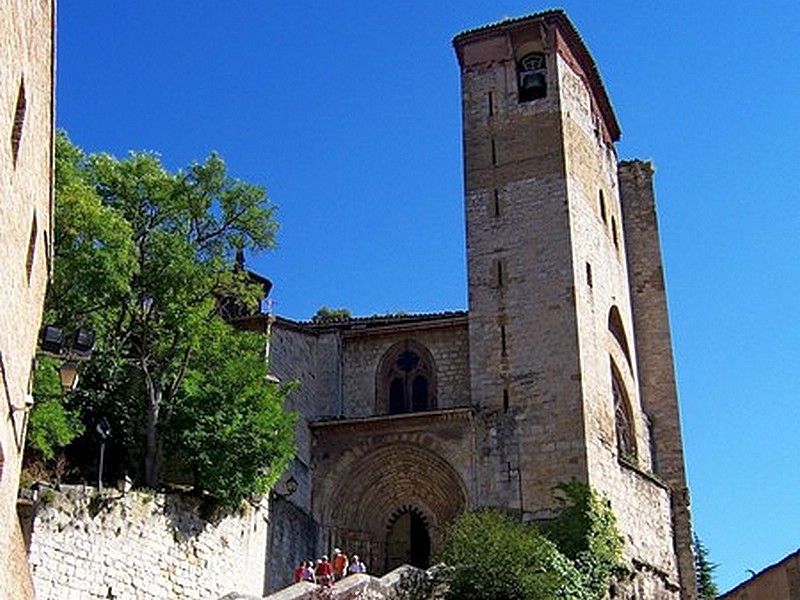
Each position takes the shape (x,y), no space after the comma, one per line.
(308,572)
(324,572)
(356,566)
(340,563)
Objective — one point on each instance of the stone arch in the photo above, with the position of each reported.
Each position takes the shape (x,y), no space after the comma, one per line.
(406,379)
(617,330)
(408,539)
(383,484)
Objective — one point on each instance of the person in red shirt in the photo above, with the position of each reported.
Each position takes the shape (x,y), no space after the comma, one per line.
(324,572)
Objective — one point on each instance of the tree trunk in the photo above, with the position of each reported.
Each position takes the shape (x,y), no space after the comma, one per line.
(152,458)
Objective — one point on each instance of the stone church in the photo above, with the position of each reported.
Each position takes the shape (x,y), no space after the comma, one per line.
(560,368)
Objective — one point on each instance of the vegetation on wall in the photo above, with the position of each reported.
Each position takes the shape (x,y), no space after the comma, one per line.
(144,257)
(497,557)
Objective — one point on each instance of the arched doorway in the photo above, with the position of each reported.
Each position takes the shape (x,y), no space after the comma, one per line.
(408,541)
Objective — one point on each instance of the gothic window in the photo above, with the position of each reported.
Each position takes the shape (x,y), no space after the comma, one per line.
(618,331)
(623,417)
(532,77)
(406,379)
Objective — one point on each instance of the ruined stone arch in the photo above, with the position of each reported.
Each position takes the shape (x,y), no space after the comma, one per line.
(406,379)
(382,484)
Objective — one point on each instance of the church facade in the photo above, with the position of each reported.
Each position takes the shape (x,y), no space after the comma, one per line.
(561,367)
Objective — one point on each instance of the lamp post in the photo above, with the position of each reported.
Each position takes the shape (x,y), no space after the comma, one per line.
(103,430)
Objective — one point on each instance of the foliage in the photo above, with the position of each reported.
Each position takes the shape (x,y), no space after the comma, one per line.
(325,314)
(233,433)
(143,256)
(498,558)
(704,571)
(52,423)
(586,531)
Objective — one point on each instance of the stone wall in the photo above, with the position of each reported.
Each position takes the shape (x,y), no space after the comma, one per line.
(362,353)
(26,177)
(142,545)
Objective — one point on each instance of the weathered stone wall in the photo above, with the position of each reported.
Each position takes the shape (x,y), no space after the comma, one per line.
(142,545)
(26,177)
(293,537)
(523,343)
(654,352)
(547,266)
(641,504)
(447,343)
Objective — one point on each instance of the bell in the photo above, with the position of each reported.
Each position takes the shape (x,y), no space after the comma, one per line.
(532,85)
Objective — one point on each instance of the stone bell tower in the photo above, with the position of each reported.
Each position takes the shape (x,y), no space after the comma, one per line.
(555,363)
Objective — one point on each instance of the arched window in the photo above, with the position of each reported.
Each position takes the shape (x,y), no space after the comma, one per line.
(623,418)
(617,329)
(406,380)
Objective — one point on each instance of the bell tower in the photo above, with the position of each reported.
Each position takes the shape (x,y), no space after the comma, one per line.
(553,352)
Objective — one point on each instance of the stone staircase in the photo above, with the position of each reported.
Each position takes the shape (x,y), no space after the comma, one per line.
(353,587)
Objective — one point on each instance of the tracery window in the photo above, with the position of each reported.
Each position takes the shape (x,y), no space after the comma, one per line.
(406,379)
(623,417)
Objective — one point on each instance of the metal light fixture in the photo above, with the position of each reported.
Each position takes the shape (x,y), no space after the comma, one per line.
(83,342)
(52,344)
(68,373)
(52,339)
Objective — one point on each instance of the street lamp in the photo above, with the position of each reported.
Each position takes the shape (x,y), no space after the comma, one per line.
(103,430)
(80,349)
(68,373)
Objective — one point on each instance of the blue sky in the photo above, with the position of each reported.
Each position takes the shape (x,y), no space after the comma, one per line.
(349,114)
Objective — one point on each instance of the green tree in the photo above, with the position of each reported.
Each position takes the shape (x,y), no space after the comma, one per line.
(231,431)
(495,557)
(325,314)
(53,422)
(586,531)
(144,256)
(704,571)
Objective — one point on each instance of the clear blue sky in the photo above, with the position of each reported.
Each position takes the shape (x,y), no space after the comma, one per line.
(349,114)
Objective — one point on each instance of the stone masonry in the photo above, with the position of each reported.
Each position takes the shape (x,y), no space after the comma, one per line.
(26,180)
(142,546)
(561,368)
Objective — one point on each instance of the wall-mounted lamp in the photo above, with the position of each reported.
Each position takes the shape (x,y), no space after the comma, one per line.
(291,486)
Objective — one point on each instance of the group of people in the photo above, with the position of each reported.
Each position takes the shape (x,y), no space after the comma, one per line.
(327,572)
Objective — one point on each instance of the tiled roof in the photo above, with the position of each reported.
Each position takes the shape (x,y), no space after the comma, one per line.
(377,320)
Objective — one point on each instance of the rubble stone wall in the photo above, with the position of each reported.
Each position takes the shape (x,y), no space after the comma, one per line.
(142,545)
